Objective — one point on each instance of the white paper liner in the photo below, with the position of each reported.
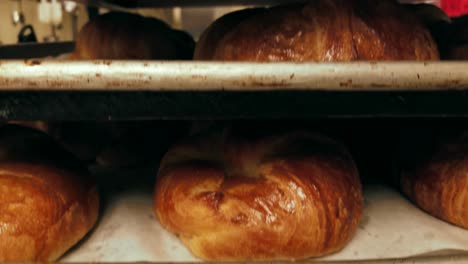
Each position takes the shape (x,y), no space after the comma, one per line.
(391,228)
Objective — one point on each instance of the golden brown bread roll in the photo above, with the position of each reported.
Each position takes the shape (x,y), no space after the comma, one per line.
(215,32)
(234,197)
(435,178)
(323,30)
(47,200)
(130,36)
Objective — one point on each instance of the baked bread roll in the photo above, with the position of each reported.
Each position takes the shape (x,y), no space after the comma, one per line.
(238,197)
(130,36)
(322,30)
(48,201)
(434,176)
(210,38)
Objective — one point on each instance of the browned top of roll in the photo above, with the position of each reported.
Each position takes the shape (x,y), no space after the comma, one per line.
(238,197)
(326,30)
(436,177)
(130,36)
(210,38)
(47,199)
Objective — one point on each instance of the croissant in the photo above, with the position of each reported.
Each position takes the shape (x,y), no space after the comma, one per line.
(48,200)
(436,179)
(233,197)
(321,30)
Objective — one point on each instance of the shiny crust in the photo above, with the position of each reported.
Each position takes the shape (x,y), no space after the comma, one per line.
(210,38)
(326,30)
(283,197)
(439,184)
(47,200)
(129,36)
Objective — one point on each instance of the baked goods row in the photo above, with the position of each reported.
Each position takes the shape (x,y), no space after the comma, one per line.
(323,30)
(280,191)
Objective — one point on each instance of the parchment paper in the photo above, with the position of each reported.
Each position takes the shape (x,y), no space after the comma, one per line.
(391,228)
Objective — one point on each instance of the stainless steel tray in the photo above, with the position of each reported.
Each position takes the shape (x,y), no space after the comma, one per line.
(210,76)
(90,90)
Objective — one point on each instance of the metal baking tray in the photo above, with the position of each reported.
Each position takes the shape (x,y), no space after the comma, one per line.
(222,76)
(87,90)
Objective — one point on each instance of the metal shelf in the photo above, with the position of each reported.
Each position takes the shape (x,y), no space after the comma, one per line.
(158,76)
(100,90)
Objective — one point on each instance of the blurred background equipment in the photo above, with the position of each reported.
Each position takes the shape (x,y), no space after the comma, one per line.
(27,34)
(71,8)
(50,13)
(61,20)
(17,16)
